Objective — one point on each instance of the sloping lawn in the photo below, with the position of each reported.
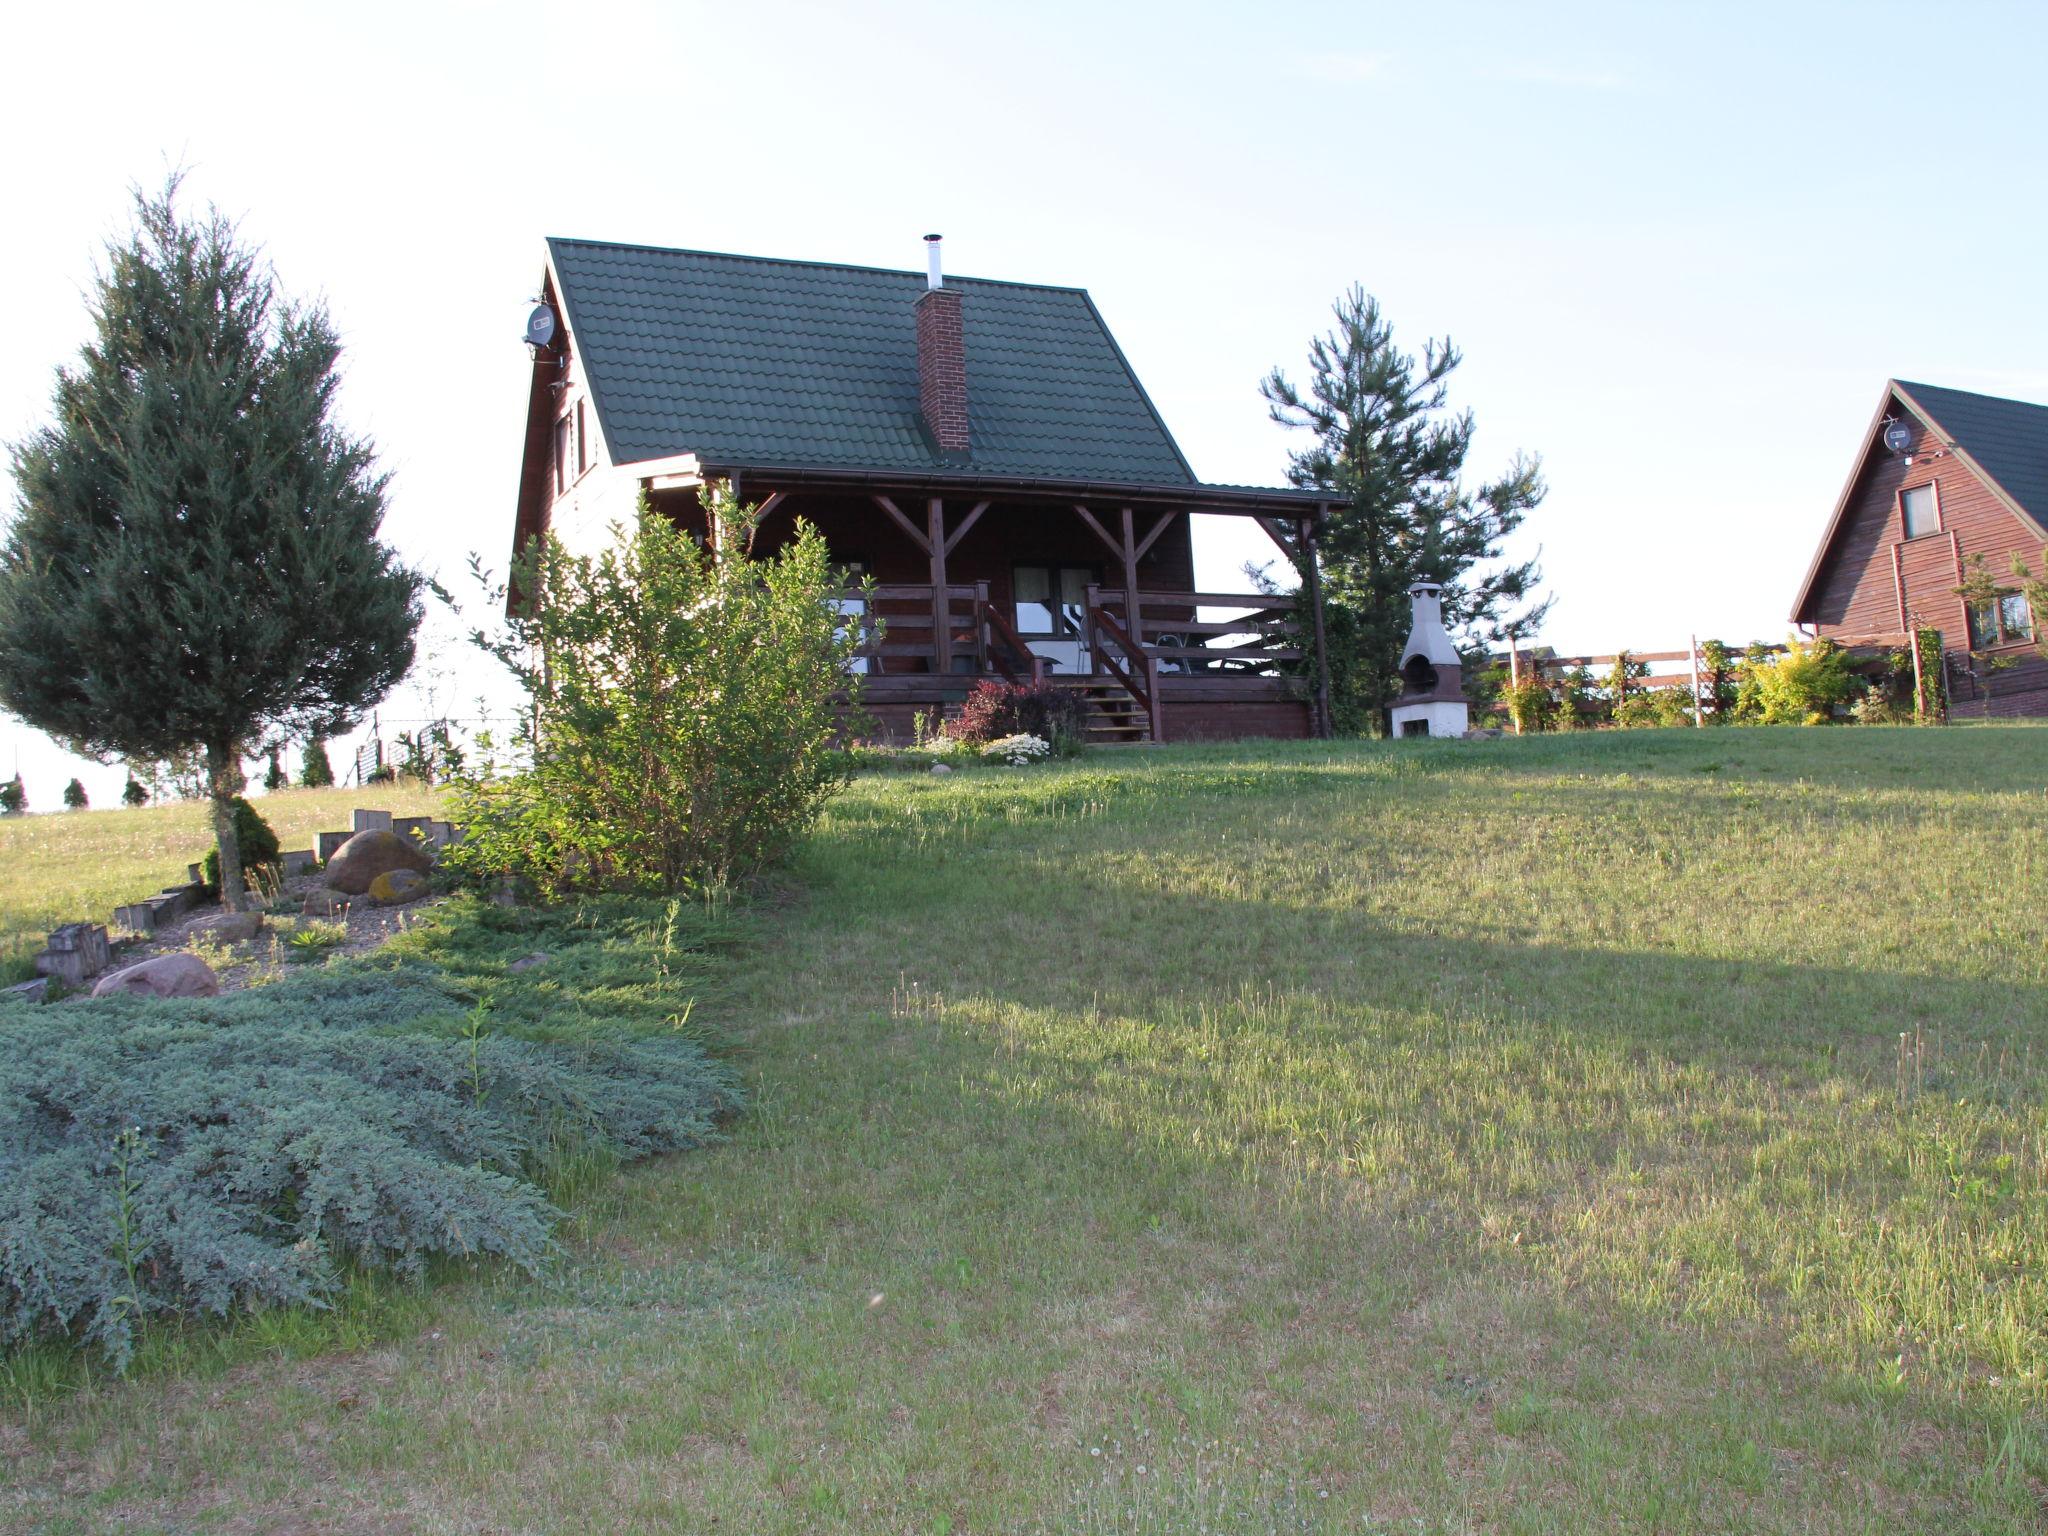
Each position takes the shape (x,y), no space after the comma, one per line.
(1618,1133)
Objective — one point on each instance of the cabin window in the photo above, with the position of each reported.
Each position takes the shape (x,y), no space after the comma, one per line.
(2015,617)
(582,441)
(853,611)
(563,427)
(1919,511)
(1051,599)
(2006,620)
(1983,626)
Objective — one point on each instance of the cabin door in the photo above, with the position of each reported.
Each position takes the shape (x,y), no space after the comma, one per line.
(1052,614)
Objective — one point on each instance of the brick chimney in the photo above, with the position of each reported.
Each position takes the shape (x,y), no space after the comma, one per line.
(941,361)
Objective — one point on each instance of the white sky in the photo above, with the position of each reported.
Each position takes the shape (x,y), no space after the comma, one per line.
(1681,246)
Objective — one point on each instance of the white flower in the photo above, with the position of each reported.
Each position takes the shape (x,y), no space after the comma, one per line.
(1018,750)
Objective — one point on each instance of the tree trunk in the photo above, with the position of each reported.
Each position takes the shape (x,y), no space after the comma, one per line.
(224,782)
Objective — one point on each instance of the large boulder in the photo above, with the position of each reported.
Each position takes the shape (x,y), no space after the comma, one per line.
(369,854)
(173,975)
(395,887)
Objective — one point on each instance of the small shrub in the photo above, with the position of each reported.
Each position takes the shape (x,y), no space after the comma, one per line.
(1529,704)
(13,798)
(313,937)
(259,848)
(684,710)
(133,794)
(995,710)
(74,796)
(274,776)
(1804,685)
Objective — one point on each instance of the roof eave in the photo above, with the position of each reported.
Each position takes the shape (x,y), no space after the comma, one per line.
(1249,501)
(1827,540)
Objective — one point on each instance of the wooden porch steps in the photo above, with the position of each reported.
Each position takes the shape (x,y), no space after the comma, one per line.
(1114,717)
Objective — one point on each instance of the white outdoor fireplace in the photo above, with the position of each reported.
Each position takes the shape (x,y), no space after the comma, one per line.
(1432,701)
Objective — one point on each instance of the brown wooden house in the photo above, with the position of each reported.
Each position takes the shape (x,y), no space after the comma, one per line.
(980,450)
(1942,476)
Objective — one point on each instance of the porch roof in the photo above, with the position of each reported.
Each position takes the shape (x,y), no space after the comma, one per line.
(743,360)
(1196,496)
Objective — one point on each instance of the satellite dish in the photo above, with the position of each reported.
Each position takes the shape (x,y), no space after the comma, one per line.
(1898,437)
(540,326)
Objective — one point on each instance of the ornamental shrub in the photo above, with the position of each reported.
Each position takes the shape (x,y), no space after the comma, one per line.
(258,843)
(188,1157)
(1804,684)
(74,796)
(315,771)
(683,710)
(994,710)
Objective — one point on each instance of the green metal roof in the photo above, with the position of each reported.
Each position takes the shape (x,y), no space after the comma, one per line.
(744,360)
(2009,438)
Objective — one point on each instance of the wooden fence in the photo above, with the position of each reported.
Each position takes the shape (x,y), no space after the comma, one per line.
(1664,670)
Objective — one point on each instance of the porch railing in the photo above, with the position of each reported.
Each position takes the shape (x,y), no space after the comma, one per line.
(902,624)
(1242,634)
(1246,633)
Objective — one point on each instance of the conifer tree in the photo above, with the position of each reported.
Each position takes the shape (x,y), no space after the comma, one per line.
(195,561)
(315,771)
(13,797)
(74,796)
(1384,441)
(274,776)
(133,794)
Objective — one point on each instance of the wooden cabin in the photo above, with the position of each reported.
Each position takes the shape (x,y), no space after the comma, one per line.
(1942,475)
(980,451)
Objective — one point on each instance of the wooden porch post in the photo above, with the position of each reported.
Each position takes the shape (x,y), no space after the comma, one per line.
(1312,575)
(1132,621)
(942,605)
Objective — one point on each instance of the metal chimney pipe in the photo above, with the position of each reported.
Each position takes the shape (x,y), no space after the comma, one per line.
(932,277)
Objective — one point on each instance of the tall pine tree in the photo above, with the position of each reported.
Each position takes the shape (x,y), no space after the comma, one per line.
(1386,444)
(194,563)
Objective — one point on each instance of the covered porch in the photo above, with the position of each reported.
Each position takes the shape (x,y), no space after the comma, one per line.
(1085,586)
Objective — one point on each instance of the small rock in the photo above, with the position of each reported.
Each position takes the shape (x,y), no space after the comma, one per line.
(161,976)
(37,991)
(394,888)
(941,768)
(1483,733)
(367,855)
(325,904)
(231,927)
(528,962)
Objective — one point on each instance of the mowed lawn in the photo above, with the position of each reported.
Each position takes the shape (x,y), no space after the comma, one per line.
(1635,1132)
(77,866)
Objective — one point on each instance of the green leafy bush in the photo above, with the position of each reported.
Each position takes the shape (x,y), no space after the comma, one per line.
(315,771)
(1529,703)
(1803,685)
(197,1156)
(683,711)
(258,844)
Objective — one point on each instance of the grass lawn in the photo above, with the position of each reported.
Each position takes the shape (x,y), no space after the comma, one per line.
(77,866)
(1629,1132)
